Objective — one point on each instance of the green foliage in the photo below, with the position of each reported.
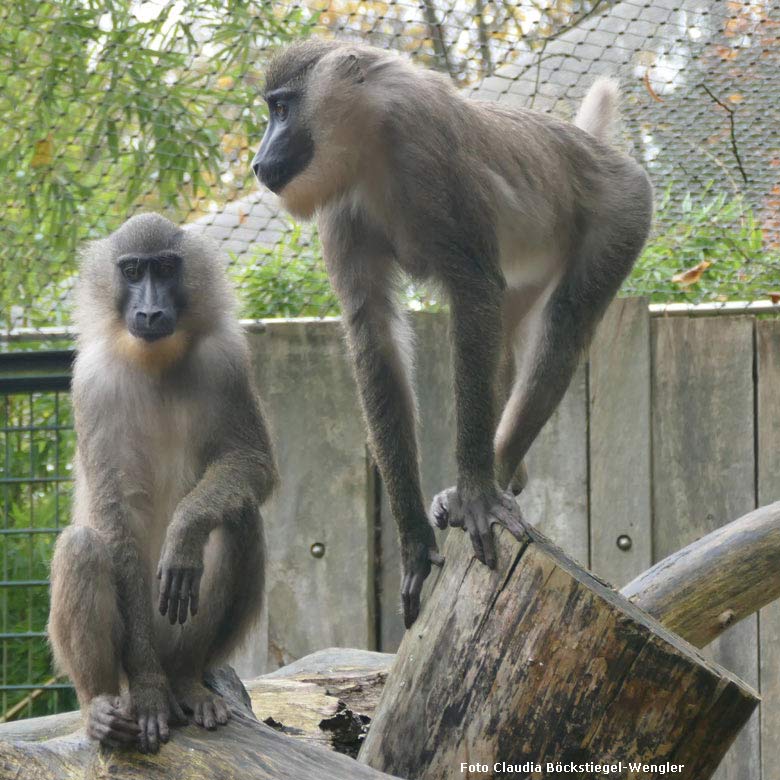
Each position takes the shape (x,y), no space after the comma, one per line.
(290,280)
(115,105)
(712,229)
(287,280)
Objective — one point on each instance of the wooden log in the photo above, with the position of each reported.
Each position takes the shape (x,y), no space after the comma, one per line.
(538,661)
(701,590)
(326,698)
(244,749)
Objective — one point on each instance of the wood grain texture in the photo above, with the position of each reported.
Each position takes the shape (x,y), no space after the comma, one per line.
(244,749)
(718,580)
(768,435)
(538,660)
(326,698)
(704,467)
(619,442)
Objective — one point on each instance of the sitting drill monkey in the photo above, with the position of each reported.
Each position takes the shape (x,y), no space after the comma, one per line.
(530,225)
(160,575)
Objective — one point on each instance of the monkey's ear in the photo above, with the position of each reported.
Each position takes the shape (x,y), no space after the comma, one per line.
(350,69)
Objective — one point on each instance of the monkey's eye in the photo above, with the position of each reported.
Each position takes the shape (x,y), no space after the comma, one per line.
(280,109)
(166,268)
(132,270)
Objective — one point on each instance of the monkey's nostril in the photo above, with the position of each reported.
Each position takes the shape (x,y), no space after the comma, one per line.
(155,317)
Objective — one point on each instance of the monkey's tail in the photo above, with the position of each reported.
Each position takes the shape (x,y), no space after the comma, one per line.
(598,111)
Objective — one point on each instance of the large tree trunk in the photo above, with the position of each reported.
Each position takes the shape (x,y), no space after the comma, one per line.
(245,749)
(538,661)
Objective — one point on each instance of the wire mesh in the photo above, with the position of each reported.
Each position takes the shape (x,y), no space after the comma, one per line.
(36,452)
(114,108)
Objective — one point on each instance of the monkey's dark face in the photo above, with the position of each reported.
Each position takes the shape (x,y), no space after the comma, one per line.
(287,147)
(152,293)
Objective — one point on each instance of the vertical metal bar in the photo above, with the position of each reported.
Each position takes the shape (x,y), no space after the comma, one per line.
(54,695)
(30,548)
(6,513)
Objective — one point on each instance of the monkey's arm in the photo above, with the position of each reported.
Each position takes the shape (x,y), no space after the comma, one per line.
(240,475)
(360,269)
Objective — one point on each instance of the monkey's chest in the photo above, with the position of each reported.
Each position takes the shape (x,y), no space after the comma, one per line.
(160,472)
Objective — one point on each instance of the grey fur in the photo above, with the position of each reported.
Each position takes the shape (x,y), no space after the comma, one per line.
(174,460)
(529,224)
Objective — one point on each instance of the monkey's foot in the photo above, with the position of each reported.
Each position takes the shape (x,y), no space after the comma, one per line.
(208,709)
(109,721)
(155,707)
(476,515)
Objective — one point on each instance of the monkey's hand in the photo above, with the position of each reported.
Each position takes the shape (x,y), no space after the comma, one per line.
(154,707)
(477,514)
(417,556)
(179,572)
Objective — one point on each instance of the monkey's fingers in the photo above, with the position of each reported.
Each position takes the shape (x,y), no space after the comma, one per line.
(221,710)
(476,538)
(511,518)
(436,558)
(165,590)
(173,607)
(162,728)
(442,508)
(184,596)
(143,737)
(410,597)
(152,736)
(439,512)
(195,593)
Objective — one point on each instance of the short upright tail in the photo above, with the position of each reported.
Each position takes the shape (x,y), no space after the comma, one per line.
(598,111)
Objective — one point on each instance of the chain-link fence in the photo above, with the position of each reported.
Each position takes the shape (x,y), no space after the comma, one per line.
(113,108)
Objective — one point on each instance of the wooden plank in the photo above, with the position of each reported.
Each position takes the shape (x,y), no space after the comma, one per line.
(768,437)
(305,378)
(704,467)
(619,442)
(556,497)
(435,397)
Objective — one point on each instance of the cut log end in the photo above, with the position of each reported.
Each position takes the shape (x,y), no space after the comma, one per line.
(538,660)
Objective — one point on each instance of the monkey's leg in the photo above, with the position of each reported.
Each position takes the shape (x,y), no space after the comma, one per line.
(551,354)
(477,502)
(230,600)
(86,633)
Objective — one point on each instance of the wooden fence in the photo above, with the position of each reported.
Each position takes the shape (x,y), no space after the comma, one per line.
(670,429)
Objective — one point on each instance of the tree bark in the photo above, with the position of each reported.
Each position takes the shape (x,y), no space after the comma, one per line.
(701,590)
(538,661)
(244,749)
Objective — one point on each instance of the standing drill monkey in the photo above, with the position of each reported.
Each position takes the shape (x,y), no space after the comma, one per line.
(529,223)
(173,462)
